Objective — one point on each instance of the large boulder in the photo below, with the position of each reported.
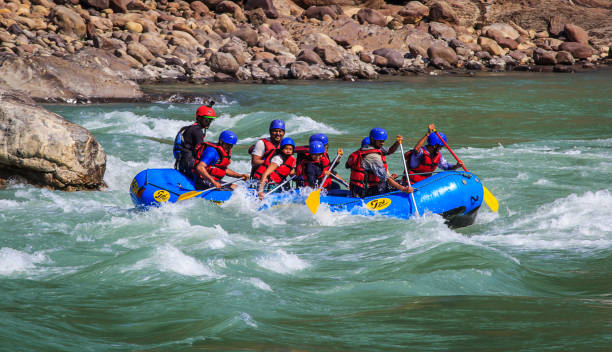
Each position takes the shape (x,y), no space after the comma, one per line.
(350,66)
(89,74)
(266,5)
(224,62)
(500,29)
(413,12)
(330,54)
(310,57)
(576,34)
(490,46)
(442,31)
(69,22)
(371,16)
(544,57)
(139,52)
(319,11)
(154,43)
(45,149)
(438,52)
(578,50)
(393,57)
(441,11)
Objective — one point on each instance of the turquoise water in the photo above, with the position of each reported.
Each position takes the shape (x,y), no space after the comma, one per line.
(83,271)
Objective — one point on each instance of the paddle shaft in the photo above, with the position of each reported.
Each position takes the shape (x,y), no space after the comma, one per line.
(450,150)
(197,193)
(340,180)
(330,168)
(416,210)
(489,198)
(279,186)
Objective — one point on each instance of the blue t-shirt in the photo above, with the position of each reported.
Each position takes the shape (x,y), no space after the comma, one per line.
(210,156)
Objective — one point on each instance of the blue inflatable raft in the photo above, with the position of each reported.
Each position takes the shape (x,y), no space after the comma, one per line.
(455,195)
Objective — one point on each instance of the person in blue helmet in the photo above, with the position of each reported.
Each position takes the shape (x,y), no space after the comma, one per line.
(423,161)
(265,146)
(369,172)
(312,169)
(213,160)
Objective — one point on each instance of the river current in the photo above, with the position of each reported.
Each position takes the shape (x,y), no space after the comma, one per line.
(83,271)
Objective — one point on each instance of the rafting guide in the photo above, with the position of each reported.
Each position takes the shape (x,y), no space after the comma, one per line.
(190,137)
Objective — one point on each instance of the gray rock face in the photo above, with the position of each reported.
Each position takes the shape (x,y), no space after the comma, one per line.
(45,149)
(92,73)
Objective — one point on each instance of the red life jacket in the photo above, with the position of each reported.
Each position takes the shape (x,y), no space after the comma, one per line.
(281,172)
(268,144)
(302,153)
(427,165)
(217,170)
(301,171)
(358,173)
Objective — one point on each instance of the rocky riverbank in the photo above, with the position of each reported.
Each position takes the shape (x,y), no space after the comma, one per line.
(84,50)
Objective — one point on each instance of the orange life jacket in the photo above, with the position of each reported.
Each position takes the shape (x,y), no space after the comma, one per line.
(217,170)
(359,176)
(425,168)
(281,172)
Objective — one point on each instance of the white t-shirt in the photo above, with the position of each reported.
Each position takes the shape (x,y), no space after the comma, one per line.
(277,159)
(260,148)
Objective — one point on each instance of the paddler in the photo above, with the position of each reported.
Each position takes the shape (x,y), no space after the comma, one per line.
(213,160)
(190,137)
(277,166)
(314,167)
(423,160)
(264,146)
(369,172)
(303,153)
(385,151)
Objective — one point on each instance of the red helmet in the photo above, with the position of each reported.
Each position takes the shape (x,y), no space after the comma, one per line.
(206,111)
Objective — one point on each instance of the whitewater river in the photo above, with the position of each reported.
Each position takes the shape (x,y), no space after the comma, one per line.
(82,271)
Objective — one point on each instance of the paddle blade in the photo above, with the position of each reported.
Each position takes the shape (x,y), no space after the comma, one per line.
(490,199)
(313,201)
(188,195)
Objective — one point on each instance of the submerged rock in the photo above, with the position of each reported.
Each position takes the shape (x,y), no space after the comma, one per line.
(45,149)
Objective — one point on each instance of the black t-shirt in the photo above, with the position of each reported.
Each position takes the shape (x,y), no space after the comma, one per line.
(192,137)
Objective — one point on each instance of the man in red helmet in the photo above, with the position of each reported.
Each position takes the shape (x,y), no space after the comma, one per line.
(190,137)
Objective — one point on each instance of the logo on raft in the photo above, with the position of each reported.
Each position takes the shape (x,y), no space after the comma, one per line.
(378,204)
(161,196)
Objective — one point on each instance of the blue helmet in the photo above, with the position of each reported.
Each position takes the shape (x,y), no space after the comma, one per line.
(228,137)
(365,141)
(321,137)
(378,134)
(434,140)
(316,147)
(280,124)
(287,141)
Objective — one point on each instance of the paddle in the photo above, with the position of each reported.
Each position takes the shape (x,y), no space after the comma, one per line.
(314,199)
(489,199)
(192,194)
(340,180)
(282,184)
(416,210)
